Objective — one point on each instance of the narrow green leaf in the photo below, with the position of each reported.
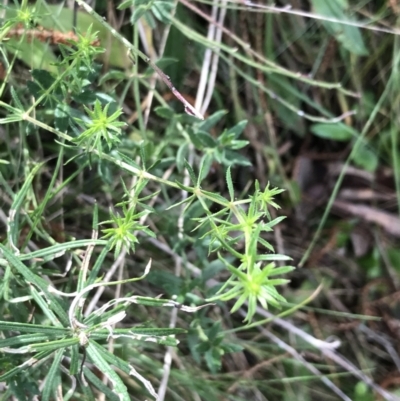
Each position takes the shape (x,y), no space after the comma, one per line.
(125,367)
(18,201)
(51,382)
(268,226)
(281,270)
(34,328)
(190,171)
(15,97)
(265,243)
(20,196)
(128,161)
(95,224)
(215,197)
(23,339)
(96,357)
(273,257)
(21,368)
(97,266)
(58,250)
(74,366)
(335,132)
(188,200)
(11,119)
(34,279)
(44,307)
(205,165)
(230,184)
(143,155)
(92,378)
(142,331)
(102,335)
(54,345)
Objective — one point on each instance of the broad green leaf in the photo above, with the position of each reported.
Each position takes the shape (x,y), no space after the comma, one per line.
(181,155)
(43,78)
(164,112)
(348,36)
(138,3)
(394,257)
(162,10)
(62,117)
(165,62)
(238,128)
(335,132)
(209,122)
(228,348)
(151,22)
(138,13)
(213,269)
(35,54)
(366,158)
(206,139)
(195,139)
(231,157)
(213,360)
(274,256)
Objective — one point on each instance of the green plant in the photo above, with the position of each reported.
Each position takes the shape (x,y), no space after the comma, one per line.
(154,133)
(87,131)
(67,334)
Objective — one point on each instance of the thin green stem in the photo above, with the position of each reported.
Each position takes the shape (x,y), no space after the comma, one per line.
(136,85)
